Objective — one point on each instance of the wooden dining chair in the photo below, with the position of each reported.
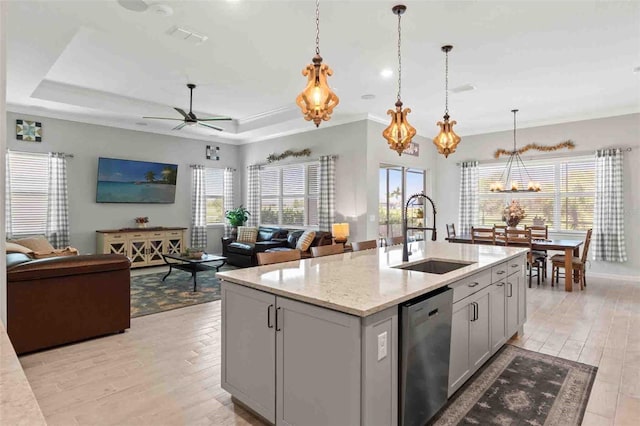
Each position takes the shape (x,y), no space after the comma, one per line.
(278,257)
(578,263)
(483,235)
(364,245)
(327,250)
(451,230)
(394,241)
(522,237)
(500,232)
(540,232)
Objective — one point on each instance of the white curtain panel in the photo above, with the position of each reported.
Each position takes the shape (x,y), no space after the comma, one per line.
(608,216)
(7,203)
(227,197)
(327,197)
(198,207)
(57,226)
(253,195)
(468,196)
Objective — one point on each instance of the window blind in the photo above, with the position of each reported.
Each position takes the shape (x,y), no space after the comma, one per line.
(214,184)
(28,175)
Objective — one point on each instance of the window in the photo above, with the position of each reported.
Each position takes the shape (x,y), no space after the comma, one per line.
(392,199)
(28,182)
(214,181)
(565,202)
(289,195)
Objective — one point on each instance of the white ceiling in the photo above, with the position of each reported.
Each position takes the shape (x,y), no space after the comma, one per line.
(97,62)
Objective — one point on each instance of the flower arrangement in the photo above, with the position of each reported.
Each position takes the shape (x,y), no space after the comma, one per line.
(142,219)
(513,213)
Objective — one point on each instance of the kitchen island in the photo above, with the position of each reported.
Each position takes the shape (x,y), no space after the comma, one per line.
(316,341)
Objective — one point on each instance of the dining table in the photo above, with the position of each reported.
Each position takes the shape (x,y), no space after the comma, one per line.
(571,249)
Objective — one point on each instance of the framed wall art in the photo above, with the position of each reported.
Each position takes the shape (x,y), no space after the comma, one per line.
(29,131)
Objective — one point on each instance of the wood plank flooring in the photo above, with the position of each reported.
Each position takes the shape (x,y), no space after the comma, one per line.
(165,370)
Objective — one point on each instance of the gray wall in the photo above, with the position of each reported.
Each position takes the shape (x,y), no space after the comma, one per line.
(588,136)
(87,142)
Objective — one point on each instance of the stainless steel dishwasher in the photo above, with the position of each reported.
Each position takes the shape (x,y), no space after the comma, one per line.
(425,345)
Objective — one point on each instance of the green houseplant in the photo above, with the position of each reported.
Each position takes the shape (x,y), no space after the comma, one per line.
(237,217)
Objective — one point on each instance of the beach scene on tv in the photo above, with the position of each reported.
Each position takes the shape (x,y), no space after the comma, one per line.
(127,181)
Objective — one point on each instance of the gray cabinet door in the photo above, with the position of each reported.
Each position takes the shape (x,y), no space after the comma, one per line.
(459,359)
(318,365)
(479,331)
(522,299)
(249,347)
(497,315)
(511,297)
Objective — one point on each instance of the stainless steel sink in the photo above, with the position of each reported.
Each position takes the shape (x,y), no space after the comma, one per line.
(435,266)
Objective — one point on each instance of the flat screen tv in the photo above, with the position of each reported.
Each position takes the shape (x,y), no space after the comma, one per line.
(128,181)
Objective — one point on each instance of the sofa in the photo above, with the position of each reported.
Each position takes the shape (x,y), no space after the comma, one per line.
(243,254)
(65,299)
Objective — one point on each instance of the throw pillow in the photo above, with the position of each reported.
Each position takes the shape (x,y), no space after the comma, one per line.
(17,248)
(305,240)
(247,234)
(69,251)
(36,244)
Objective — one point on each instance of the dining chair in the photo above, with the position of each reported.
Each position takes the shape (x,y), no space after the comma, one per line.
(500,231)
(327,250)
(483,235)
(364,245)
(451,230)
(540,232)
(394,241)
(268,258)
(522,237)
(578,263)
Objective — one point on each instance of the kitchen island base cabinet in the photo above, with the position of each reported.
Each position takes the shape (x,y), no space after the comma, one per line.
(298,364)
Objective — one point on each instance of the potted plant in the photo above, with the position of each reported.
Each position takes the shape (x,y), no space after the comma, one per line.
(142,221)
(237,217)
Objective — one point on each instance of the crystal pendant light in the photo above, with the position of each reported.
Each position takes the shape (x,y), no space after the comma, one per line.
(317,100)
(399,133)
(447,140)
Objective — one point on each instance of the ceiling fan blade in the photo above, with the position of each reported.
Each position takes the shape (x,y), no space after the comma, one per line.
(192,115)
(179,126)
(164,118)
(216,119)
(220,129)
(181,111)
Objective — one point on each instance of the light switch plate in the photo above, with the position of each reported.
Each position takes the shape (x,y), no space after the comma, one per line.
(382,346)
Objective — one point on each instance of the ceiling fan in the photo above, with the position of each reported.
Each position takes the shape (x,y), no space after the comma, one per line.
(190,119)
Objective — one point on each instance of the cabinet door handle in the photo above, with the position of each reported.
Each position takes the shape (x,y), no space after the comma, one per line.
(515,265)
(269,325)
(477,310)
(278,328)
(473,312)
(510,292)
(473,284)
(500,272)
(499,284)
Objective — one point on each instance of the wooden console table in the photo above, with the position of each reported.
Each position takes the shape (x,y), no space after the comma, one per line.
(144,246)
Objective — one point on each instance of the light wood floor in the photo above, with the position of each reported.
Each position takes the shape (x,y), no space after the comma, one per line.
(166,368)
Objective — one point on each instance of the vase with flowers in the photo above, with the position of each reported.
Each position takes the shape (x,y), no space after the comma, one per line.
(142,221)
(513,214)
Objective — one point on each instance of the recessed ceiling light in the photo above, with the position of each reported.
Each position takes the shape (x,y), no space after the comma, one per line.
(134,5)
(161,9)
(464,88)
(386,73)
(368,96)
(140,123)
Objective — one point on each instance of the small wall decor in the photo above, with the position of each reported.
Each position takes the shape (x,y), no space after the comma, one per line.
(413,149)
(566,144)
(288,153)
(29,131)
(210,156)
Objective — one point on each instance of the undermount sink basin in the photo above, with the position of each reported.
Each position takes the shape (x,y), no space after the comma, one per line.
(435,266)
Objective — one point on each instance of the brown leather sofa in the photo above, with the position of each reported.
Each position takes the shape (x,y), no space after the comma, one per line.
(61,300)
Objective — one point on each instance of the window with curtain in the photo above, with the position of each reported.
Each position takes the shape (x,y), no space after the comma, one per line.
(289,195)
(565,202)
(214,179)
(28,185)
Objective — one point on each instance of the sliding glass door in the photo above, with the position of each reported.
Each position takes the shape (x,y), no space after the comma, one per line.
(396,184)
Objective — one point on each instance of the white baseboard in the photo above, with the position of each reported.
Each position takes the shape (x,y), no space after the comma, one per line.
(632,278)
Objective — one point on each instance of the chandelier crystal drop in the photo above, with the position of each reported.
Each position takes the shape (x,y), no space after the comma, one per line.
(447,140)
(317,100)
(399,132)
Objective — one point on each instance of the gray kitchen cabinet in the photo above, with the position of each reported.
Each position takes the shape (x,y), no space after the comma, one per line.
(522,299)
(512,293)
(459,358)
(249,348)
(479,331)
(497,300)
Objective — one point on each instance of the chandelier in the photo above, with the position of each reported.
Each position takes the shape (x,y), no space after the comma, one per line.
(317,100)
(447,140)
(508,181)
(399,132)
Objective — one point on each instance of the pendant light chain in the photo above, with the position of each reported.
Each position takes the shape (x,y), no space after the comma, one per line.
(514,129)
(399,57)
(446,83)
(317,27)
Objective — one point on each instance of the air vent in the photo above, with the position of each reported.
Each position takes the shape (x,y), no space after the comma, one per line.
(187,35)
(464,88)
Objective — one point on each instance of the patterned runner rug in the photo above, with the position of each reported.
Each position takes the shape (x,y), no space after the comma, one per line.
(150,295)
(521,387)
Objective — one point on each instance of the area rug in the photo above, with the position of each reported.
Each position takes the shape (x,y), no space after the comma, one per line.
(150,295)
(521,387)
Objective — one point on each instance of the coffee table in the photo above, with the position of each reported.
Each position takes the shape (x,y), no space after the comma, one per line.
(194,266)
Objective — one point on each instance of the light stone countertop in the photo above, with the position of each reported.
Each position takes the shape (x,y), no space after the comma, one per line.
(365,282)
(18,405)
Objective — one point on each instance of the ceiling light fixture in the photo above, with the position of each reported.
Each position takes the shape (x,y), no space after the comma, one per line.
(317,100)
(508,181)
(447,140)
(399,132)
